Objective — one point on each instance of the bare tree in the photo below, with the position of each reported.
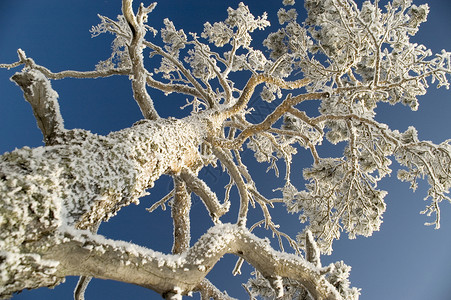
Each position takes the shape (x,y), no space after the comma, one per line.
(346,58)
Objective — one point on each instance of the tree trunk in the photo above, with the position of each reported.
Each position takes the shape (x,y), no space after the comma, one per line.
(79,182)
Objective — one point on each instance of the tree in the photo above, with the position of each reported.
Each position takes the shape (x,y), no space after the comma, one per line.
(346,59)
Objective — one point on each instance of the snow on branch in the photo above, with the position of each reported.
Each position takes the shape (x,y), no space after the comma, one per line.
(425,159)
(44,102)
(135,47)
(200,188)
(180,208)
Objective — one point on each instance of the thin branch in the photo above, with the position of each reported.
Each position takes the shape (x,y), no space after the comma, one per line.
(82,74)
(30,63)
(80,289)
(303,116)
(207,290)
(209,198)
(227,161)
(173,88)
(161,202)
(183,70)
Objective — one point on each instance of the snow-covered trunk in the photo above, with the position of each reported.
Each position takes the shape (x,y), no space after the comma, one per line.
(77,183)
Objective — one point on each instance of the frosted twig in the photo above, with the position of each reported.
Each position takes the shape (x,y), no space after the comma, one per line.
(255,80)
(207,291)
(162,202)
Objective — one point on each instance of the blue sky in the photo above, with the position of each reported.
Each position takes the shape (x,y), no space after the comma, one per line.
(405,260)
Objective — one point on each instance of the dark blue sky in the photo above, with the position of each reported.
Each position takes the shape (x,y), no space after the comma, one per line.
(405,260)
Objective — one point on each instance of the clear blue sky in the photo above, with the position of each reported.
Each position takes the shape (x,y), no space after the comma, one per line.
(405,260)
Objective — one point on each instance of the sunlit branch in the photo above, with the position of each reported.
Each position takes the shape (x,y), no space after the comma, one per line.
(303,116)
(30,63)
(208,291)
(81,74)
(80,289)
(182,274)
(382,127)
(242,167)
(270,119)
(255,80)
(139,73)
(231,59)
(172,88)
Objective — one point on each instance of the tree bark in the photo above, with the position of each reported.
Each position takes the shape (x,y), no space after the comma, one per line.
(82,180)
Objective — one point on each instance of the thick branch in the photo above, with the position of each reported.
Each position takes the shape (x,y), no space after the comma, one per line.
(255,80)
(89,255)
(91,176)
(44,102)
(180,209)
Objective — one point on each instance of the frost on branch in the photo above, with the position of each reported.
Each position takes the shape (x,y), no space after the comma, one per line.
(78,184)
(425,159)
(361,56)
(174,39)
(288,2)
(44,102)
(337,274)
(339,277)
(119,57)
(381,56)
(286,16)
(337,198)
(244,22)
